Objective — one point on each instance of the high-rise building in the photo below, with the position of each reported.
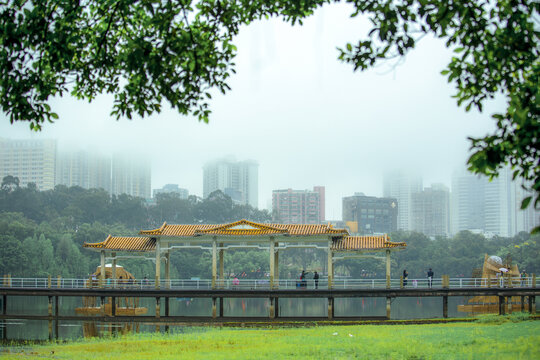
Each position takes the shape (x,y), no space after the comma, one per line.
(431,211)
(493,207)
(370,214)
(172,188)
(500,205)
(467,202)
(298,206)
(238,179)
(527,219)
(84,169)
(131,176)
(32,161)
(400,185)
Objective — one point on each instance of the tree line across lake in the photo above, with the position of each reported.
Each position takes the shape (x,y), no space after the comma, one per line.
(42,232)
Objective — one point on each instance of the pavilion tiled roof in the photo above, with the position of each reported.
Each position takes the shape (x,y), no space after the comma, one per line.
(252,229)
(341,239)
(124,243)
(349,243)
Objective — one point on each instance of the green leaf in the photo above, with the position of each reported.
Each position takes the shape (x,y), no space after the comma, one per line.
(525,203)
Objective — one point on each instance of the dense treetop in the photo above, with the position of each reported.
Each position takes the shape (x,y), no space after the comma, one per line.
(41,233)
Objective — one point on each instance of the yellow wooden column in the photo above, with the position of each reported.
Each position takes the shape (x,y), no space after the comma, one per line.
(388,269)
(214,262)
(221,266)
(272,264)
(102,269)
(276,267)
(158,262)
(330,265)
(113,270)
(168,267)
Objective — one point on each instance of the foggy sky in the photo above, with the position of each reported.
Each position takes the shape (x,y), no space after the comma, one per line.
(304,116)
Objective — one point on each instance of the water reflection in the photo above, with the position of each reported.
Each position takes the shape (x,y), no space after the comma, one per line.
(402,308)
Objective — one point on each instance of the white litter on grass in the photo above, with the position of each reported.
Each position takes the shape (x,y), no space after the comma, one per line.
(334,333)
(351,335)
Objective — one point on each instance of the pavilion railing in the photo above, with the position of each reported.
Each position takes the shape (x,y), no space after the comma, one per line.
(245,284)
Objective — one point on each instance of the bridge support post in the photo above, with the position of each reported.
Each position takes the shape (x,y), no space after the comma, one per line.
(388,307)
(272,264)
(502,305)
(388,269)
(4,305)
(214,263)
(113,306)
(330,308)
(221,307)
(271,311)
(445,306)
(56,313)
(532,304)
(113,270)
(158,308)
(102,304)
(214,308)
(49,311)
(276,307)
(522,306)
(167,307)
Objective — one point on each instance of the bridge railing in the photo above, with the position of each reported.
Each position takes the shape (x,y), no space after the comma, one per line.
(244,284)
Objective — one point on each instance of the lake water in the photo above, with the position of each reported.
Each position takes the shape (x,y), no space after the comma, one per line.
(402,308)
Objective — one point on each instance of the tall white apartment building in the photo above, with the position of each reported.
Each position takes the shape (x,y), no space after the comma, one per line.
(32,161)
(401,186)
(131,175)
(431,210)
(500,205)
(238,179)
(84,169)
(493,207)
(467,202)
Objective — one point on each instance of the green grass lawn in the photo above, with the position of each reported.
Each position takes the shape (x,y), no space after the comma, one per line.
(492,339)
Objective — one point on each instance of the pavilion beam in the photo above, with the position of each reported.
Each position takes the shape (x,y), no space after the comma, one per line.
(113,280)
(388,269)
(102,269)
(221,267)
(272,264)
(214,262)
(330,265)
(158,263)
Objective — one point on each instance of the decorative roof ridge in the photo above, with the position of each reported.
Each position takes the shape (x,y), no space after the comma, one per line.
(225,227)
(98,245)
(157,231)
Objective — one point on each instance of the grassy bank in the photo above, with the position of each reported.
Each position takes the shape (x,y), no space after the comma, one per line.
(491,338)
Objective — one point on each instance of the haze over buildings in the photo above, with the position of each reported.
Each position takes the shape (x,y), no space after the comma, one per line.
(40,162)
(237,179)
(299,206)
(32,161)
(401,185)
(172,188)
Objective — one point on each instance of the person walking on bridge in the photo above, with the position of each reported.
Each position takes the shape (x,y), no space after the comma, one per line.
(316,279)
(430,278)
